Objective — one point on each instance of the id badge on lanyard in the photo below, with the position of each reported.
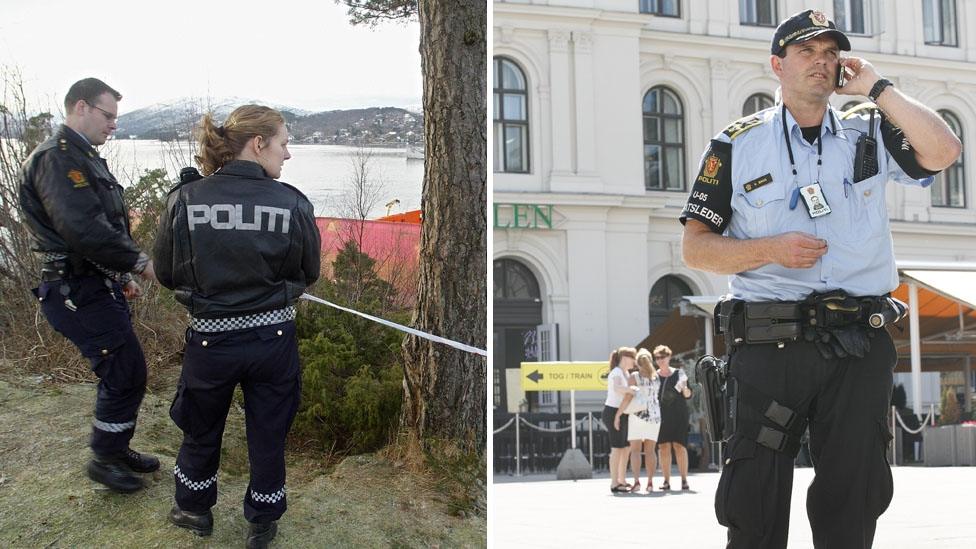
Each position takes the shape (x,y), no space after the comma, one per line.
(815,200)
(812,194)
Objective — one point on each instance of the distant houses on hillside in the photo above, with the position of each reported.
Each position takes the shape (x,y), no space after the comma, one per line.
(374,126)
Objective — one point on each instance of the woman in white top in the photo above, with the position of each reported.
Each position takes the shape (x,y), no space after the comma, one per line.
(621,361)
(645,418)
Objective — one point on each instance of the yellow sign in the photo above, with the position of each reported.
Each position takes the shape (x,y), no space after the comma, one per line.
(564,376)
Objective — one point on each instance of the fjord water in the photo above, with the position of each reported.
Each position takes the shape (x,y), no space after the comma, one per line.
(322,172)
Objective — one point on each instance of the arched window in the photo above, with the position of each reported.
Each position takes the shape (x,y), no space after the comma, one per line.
(664,297)
(514,281)
(756,103)
(949,188)
(511,117)
(664,137)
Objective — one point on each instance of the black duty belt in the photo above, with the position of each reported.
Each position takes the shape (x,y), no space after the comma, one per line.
(780,321)
(59,270)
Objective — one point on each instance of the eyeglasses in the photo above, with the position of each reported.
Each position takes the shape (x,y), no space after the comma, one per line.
(108,116)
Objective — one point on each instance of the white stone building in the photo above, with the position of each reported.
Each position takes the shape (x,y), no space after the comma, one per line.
(601,111)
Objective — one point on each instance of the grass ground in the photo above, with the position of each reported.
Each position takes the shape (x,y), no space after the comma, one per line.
(46,500)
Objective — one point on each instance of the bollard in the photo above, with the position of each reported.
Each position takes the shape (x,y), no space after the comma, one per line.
(589,417)
(518,447)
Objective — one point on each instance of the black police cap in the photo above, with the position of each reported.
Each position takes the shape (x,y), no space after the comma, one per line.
(804,26)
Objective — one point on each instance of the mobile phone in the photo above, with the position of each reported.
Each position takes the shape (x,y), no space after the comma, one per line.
(840,81)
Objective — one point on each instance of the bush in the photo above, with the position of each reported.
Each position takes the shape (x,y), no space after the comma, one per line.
(352,380)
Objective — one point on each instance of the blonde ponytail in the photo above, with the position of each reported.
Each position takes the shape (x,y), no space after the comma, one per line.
(221,144)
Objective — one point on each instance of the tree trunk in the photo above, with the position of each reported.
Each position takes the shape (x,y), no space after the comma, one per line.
(445,389)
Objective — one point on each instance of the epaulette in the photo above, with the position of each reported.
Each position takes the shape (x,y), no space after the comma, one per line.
(850,113)
(300,193)
(742,125)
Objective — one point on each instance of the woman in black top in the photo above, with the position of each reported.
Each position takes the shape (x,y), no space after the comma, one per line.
(674,393)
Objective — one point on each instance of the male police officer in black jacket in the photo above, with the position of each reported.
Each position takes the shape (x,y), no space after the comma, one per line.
(80,229)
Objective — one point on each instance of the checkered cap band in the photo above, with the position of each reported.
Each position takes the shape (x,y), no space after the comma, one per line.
(266,318)
(113,427)
(274,497)
(195,485)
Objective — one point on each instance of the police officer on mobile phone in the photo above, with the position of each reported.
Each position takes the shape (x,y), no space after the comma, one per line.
(790,202)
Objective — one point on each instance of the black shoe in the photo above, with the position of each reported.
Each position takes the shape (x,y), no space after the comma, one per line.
(201,525)
(140,463)
(115,474)
(261,534)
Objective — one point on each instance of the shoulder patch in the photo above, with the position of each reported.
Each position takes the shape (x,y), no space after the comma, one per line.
(742,125)
(77,178)
(715,168)
(857,109)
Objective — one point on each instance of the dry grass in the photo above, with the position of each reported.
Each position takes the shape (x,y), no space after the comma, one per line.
(47,501)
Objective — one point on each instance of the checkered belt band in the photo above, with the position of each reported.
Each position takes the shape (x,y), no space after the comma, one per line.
(121,278)
(266,318)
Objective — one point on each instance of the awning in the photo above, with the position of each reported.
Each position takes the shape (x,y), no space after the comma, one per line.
(947,315)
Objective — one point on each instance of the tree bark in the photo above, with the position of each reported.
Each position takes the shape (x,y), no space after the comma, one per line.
(445,389)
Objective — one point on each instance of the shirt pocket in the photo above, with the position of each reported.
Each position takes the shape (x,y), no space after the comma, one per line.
(869,209)
(762,210)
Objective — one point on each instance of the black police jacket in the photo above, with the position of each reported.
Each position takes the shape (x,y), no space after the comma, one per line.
(73,205)
(236,243)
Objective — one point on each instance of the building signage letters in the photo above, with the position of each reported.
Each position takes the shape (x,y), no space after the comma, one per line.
(523,216)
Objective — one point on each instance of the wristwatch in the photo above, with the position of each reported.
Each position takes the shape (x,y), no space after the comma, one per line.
(878,87)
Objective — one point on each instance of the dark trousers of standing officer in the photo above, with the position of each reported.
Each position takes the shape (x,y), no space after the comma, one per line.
(101,328)
(264,360)
(846,402)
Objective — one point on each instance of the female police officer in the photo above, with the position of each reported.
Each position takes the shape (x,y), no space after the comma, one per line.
(238,248)
(791,201)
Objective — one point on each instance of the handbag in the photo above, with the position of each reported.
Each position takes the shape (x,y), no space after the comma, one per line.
(638,403)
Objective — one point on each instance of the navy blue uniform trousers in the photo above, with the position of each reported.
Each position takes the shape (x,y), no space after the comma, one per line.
(264,361)
(846,402)
(101,328)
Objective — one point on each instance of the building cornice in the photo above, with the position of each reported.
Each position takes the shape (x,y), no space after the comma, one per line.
(541,17)
(668,206)
(529,14)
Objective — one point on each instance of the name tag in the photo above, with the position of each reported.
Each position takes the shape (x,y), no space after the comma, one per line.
(815,200)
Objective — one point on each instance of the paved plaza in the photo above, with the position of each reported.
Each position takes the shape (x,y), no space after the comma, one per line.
(932,508)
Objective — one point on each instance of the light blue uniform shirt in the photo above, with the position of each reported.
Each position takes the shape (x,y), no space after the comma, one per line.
(860,257)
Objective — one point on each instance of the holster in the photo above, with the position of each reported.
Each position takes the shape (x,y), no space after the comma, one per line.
(712,375)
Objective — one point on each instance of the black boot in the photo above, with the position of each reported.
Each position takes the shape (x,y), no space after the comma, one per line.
(260,534)
(140,463)
(115,474)
(201,525)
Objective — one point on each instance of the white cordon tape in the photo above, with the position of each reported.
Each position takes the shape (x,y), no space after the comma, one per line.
(401,327)
(928,418)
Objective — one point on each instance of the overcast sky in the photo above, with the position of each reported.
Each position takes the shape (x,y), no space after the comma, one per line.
(299,53)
